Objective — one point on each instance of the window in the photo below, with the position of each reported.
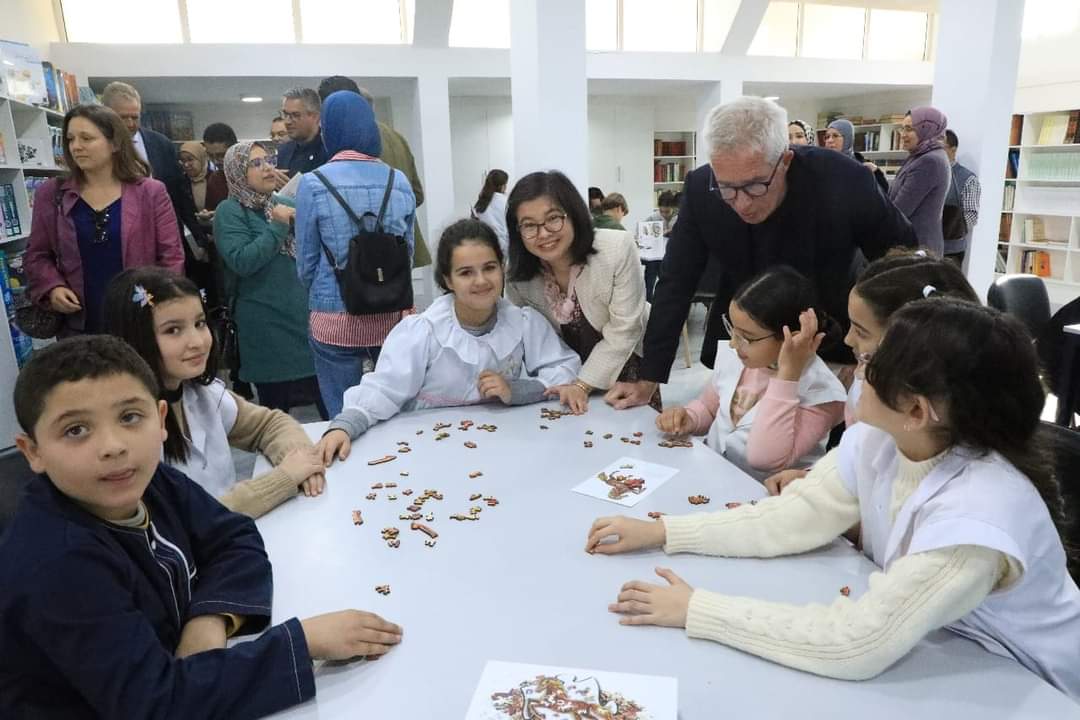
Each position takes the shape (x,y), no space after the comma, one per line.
(670,26)
(778,34)
(409,19)
(1046,18)
(376,22)
(717,17)
(122,21)
(896,35)
(601,25)
(832,31)
(480,23)
(239,21)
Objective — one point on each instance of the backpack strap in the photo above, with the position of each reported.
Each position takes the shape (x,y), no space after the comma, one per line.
(385,200)
(341,201)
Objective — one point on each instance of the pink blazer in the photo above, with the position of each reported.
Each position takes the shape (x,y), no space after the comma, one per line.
(149,235)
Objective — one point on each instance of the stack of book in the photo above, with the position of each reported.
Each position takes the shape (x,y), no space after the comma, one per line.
(673,148)
(1060,129)
(666,172)
(61,87)
(1016,131)
(12,226)
(1035,262)
(13,290)
(1010,197)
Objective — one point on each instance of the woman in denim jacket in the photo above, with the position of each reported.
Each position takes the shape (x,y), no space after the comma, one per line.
(343,344)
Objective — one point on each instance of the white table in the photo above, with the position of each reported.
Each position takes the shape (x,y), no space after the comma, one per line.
(517,585)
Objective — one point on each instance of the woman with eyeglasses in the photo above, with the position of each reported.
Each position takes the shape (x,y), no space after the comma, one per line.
(883,288)
(771,401)
(840,136)
(922,182)
(106,215)
(270,306)
(586,282)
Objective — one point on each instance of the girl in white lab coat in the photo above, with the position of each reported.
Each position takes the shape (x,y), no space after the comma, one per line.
(884,287)
(948,476)
(471,346)
(771,401)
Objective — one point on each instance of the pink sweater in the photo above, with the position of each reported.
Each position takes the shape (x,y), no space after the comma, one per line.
(782,431)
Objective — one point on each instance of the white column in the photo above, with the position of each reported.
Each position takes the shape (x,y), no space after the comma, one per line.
(715,94)
(548,88)
(978,50)
(434,162)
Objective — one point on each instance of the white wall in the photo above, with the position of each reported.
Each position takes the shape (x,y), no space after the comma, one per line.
(1049,74)
(876,104)
(482,139)
(29,21)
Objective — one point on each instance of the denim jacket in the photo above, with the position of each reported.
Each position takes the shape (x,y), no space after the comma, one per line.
(320,217)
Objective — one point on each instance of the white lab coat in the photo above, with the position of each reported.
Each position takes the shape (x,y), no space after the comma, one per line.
(968,499)
(817,385)
(428,360)
(210,412)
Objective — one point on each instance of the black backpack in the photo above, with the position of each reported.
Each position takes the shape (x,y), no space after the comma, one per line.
(377,274)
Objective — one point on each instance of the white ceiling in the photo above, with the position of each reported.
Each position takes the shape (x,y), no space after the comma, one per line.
(186,90)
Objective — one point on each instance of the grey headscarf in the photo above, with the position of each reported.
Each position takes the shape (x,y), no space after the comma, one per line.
(847,131)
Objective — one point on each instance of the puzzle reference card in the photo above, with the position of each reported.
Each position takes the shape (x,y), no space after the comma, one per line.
(626,481)
(516,691)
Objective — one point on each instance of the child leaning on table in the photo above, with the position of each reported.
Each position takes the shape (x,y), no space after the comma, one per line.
(163,316)
(886,285)
(470,346)
(949,478)
(771,401)
(122,578)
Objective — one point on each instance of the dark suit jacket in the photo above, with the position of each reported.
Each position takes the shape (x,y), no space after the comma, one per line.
(165,164)
(292,157)
(832,210)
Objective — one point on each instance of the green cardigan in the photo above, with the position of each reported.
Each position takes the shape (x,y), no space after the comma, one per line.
(271,311)
(603,221)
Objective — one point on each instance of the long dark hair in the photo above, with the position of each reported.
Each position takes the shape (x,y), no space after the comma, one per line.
(979,369)
(133,322)
(127,165)
(776,297)
(889,283)
(495,180)
(553,184)
(456,235)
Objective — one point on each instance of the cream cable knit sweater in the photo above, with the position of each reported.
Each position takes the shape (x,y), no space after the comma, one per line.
(851,639)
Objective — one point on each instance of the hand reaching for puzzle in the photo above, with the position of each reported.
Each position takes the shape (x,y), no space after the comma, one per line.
(675,421)
(572,396)
(630,535)
(642,603)
(493,385)
(348,634)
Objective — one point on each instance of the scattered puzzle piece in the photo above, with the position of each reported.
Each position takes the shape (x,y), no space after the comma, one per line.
(429,543)
(543,427)
(371,496)
(588,444)
(405,449)
(442,436)
(377,486)
(698,500)
(424,529)
(357,518)
(440,426)
(622,485)
(394,543)
(406,492)
(607,436)
(588,432)
(845,591)
(676,443)
(391,497)
(475,496)
(638,434)
(382,589)
(390,485)
(470,444)
(732,505)
(475,474)
(383,459)
(655,514)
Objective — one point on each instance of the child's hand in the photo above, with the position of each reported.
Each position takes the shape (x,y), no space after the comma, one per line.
(775,484)
(675,421)
(572,396)
(493,385)
(632,535)
(646,604)
(301,463)
(335,445)
(799,348)
(349,633)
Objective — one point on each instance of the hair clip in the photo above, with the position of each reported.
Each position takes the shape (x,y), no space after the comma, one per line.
(202,294)
(142,297)
(920,253)
(926,291)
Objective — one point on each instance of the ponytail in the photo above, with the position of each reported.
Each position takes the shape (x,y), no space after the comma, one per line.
(495,179)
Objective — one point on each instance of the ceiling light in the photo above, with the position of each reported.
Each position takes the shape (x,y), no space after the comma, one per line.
(774,98)
(250,98)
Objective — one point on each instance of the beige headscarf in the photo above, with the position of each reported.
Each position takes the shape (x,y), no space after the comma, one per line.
(198,183)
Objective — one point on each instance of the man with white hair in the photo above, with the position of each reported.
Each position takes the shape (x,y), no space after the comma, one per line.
(760,202)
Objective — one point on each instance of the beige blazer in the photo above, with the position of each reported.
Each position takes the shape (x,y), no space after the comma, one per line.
(611,292)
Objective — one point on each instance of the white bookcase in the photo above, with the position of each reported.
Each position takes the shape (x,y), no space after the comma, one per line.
(670,167)
(880,144)
(20,122)
(1041,205)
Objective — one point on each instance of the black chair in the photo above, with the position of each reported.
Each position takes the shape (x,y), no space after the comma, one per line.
(1058,354)
(1023,297)
(1065,452)
(15,474)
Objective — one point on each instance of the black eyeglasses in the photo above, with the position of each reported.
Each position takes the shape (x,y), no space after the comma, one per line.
(101,226)
(553,224)
(740,339)
(752,190)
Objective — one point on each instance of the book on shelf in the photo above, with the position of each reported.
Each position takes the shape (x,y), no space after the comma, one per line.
(1034,230)
(1053,129)
(13,291)
(33,182)
(21,73)
(668,172)
(1016,130)
(669,148)
(1073,126)
(1035,262)
(1000,264)
(1009,199)
(9,208)
(1005,227)
(1012,168)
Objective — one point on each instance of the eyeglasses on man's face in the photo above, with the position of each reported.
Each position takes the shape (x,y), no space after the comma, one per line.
(740,339)
(294,116)
(751,190)
(530,230)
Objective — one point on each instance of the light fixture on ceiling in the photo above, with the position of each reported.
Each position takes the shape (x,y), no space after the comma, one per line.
(250,99)
(774,98)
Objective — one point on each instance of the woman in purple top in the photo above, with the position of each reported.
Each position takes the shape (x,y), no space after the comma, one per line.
(922,182)
(105,216)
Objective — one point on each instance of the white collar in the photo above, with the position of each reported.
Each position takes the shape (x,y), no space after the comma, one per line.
(502,340)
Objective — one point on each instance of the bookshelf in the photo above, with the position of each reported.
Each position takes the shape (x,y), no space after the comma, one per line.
(674,155)
(1039,229)
(876,139)
(29,150)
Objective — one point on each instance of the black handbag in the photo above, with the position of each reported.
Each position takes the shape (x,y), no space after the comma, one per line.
(36,320)
(377,274)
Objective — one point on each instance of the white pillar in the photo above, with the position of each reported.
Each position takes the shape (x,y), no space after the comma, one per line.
(434,162)
(715,94)
(978,50)
(548,88)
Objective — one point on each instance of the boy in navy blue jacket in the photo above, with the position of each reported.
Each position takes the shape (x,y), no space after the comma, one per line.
(120,579)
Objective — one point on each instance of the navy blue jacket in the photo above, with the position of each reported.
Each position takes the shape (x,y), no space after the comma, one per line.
(89,620)
(293,157)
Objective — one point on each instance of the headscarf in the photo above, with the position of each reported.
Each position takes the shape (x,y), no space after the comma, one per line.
(198,183)
(236,167)
(847,131)
(348,123)
(808,129)
(929,124)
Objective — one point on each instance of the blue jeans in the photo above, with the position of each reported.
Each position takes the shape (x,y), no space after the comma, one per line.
(338,369)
